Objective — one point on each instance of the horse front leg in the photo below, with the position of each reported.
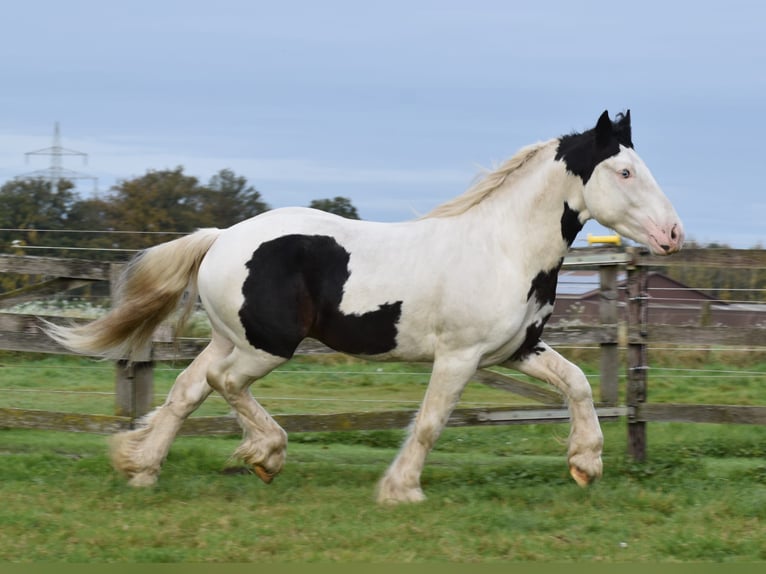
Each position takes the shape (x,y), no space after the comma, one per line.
(585,439)
(401,483)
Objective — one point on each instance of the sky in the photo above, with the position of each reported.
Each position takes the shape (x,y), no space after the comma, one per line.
(397,105)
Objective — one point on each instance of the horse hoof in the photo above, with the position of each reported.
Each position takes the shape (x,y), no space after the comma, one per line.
(580,477)
(143,480)
(390,493)
(263,474)
(410,498)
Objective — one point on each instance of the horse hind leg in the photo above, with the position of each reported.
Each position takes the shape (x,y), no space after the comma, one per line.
(139,453)
(264,442)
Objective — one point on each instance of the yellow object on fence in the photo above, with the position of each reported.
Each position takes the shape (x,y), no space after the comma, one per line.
(613,239)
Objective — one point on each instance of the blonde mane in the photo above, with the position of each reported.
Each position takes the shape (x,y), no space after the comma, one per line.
(487,185)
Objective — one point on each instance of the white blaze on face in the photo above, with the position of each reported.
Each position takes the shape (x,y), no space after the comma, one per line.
(623,194)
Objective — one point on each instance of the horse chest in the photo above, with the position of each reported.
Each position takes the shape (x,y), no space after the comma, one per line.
(524,336)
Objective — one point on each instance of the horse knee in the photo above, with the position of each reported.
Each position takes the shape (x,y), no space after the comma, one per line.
(581,391)
(577,384)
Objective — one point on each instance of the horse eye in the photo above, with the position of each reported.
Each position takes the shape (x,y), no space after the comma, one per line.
(625,173)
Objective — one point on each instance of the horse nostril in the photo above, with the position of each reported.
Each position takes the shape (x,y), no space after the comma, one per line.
(673,234)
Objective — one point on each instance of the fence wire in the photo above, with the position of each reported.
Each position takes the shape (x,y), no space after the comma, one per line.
(86,298)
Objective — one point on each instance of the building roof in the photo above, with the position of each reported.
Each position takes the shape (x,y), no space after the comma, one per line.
(577,284)
(584,284)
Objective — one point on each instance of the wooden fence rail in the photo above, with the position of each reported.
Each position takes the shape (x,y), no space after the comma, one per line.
(134,382)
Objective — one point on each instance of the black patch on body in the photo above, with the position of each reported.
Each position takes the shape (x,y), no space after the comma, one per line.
(570,224)
(294,289)
(543,288)
(531,342)
(582,152)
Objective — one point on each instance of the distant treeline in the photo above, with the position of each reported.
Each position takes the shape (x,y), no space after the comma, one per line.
(723,283)
(161,202)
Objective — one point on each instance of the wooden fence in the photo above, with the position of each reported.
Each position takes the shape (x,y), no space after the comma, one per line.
(134,382)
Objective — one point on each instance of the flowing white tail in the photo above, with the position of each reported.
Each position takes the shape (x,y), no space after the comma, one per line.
(149,290)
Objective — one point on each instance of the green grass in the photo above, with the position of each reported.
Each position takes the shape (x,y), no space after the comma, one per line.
(307,384)
(333,383)
(495,494)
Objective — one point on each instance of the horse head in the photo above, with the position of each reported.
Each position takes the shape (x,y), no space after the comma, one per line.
(619,191)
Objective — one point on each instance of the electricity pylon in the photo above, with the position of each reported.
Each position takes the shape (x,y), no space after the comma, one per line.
(56,171)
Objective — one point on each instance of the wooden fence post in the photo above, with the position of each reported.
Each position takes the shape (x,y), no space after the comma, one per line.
(637,361)
(610,352)
(134,381)
(134,388)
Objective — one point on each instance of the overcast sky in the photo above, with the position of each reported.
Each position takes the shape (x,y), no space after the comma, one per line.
(396,105)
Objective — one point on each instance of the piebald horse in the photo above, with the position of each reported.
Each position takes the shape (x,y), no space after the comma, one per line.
(469,285)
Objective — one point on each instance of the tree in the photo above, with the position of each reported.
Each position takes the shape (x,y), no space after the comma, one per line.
(159,201)
(88,217)
(339,206)
(229,199)
(167,201)
(31,204)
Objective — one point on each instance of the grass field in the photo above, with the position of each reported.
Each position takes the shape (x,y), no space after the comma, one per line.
(497,494)
(329,383)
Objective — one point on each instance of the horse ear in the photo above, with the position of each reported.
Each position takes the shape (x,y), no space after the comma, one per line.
(603,129)
(622,130)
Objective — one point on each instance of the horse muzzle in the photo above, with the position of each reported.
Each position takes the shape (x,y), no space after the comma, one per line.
(668,240)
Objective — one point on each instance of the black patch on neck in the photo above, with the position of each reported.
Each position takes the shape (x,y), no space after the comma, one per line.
(582,152)
(570,224)
(294,289)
